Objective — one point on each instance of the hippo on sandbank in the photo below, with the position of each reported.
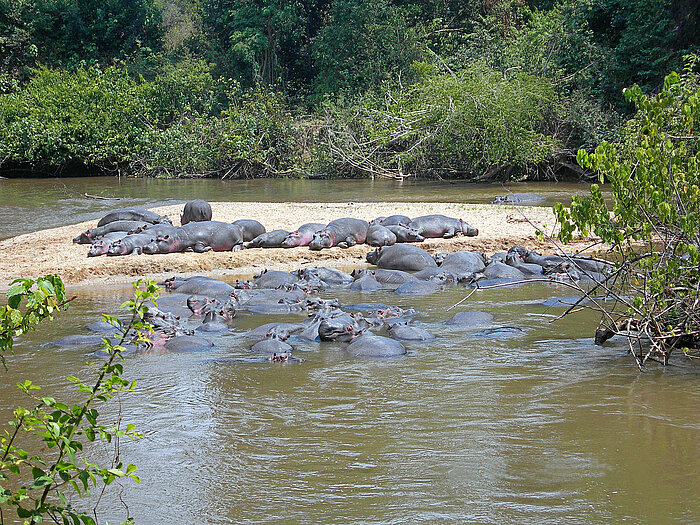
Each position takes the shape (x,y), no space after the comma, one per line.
(133,214)
(272,239)
(435,226)
(199,237)
(197,210)
(404,233)
(92,234)
(303,235)
(378,235)
(340,232)
(133,243)
(249,228)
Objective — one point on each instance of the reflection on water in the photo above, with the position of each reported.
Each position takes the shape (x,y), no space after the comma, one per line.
(545,427)
(28,205)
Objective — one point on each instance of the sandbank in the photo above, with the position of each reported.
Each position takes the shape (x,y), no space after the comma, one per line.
(52,251)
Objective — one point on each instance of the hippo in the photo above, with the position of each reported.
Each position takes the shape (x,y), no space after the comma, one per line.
(499,270)
(261,331)
(201,285)
(529,199)
(418,288)
(366,283)
(200,237)
(403,331)
(132,243)
(273,279)
(213,322)
(101,245)
(196,211)
(88,236)
(77,340)
(271,345)
(271,239)
(339,326)
(463,263)
(395,220)
(401,257)
(436,275)
(250,228)
(512,259)
(404,233)
(370,345)
(389,278)
(303,235)
(470,319)
(188,343)
(340,232)
(133,214)
(156,230)
(329,276)
(378,235)
(433,226)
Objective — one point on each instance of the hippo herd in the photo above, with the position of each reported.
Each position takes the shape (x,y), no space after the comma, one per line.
(196,310)
(135,230)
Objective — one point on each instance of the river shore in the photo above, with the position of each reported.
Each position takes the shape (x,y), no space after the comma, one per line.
(52,251)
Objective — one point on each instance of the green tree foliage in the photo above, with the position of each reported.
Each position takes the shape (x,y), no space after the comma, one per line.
(480,122)
(37,484)
(363,45)
(654,225)
(17,49)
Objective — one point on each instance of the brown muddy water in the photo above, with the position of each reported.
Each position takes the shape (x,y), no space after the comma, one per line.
(28,205)
(542,427)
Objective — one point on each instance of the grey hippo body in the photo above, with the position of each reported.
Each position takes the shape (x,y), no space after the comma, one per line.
(303,235)
(250,228)
(272,239)
(378,235)
(199,237)
(401,257)
(434,226)
(92,234)
(196,211)
(133,214)
(341,232)
(370,345)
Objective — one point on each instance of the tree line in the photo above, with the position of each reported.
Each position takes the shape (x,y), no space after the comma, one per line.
(477,89)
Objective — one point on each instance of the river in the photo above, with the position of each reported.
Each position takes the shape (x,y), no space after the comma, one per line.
(538,428)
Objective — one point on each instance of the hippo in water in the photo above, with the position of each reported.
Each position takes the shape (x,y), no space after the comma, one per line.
(303,235)
(528,199)
(401,257)
(88,236)
(434,226)
(133,214)
(196,211)
(271,239)
(250,228)
(378,235)
(340,232)
(370,345)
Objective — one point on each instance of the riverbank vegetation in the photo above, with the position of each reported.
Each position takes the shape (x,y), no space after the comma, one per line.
(43,466)
(497,90)
(654,228)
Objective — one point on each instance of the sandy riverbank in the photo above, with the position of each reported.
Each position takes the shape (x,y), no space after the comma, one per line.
(51,250)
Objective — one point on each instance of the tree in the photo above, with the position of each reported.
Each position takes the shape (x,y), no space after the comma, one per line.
(37,483)
(653,228)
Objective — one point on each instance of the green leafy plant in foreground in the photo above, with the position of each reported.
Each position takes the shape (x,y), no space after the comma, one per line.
(41,484)
(653,227)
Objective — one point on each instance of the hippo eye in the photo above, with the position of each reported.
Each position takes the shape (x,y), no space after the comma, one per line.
(348,328)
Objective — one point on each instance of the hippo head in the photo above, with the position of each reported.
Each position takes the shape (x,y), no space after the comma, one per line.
(411,234)
(86,237)
(322,239)
(378,220)
(98,248)
(292,240)
(468,230)
(440,257)
(373,257)
(164,244)
(118,248)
